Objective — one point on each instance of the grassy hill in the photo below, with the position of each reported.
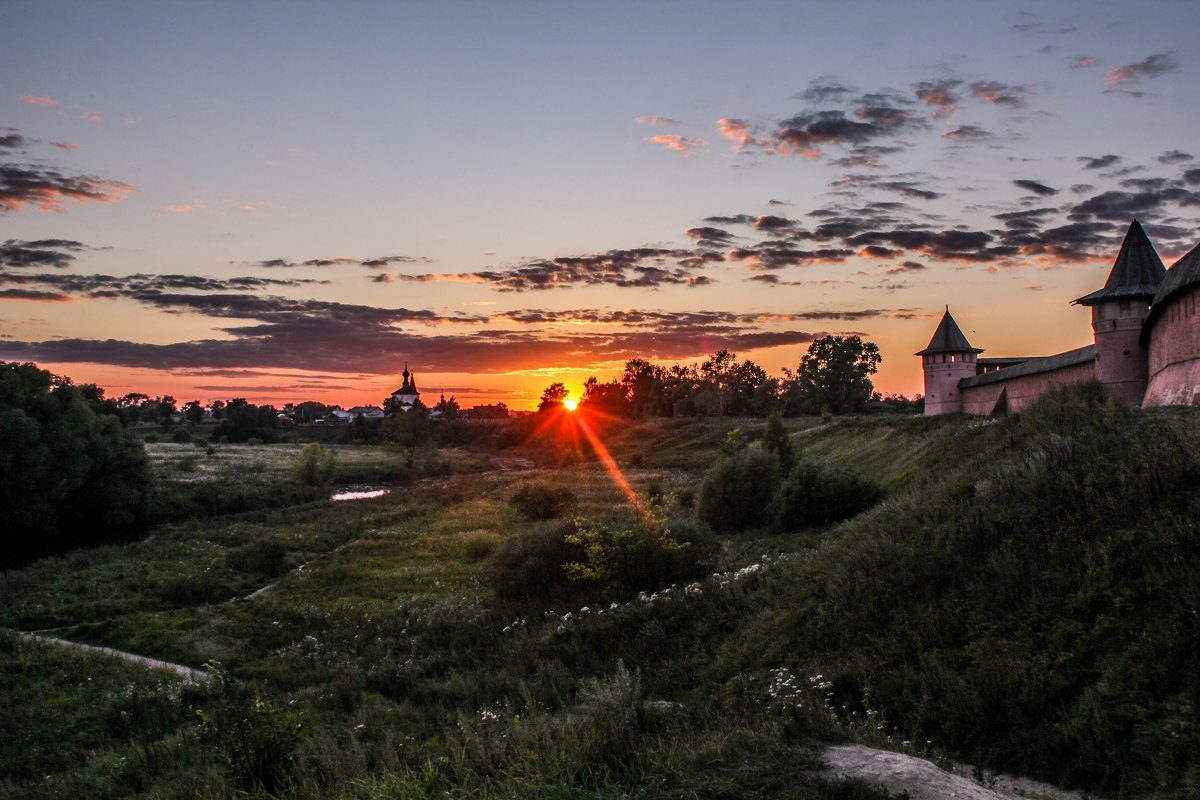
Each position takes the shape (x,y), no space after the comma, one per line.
(1027,597)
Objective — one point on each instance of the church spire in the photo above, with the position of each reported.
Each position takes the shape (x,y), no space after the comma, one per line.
(1137,270)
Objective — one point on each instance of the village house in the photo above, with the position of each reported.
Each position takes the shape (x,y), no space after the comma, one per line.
(1146,350)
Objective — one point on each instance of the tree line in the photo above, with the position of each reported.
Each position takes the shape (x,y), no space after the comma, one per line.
(833,377)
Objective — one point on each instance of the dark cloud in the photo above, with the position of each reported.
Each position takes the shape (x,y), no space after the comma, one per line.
(906,266)
(380,263)
(951,245)
(40,253)
(773,255)
(740,219)
(773,223)
(1000,93)
(1174,157)
(1192,177)
(866,156)
(46,189)
(709,234)
(13,141)
(942,95)
(34,295)
(1035,187)
(1147,68)
(968,133)
(807,133)
(1100,162)
(1117,206)
(819,93)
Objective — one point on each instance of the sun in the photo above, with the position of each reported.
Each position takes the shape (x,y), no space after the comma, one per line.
(571,404)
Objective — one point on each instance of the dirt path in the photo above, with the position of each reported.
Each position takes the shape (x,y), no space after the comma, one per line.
(923,780)
(194,675)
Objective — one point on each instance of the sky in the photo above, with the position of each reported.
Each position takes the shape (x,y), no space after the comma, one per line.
(289,201)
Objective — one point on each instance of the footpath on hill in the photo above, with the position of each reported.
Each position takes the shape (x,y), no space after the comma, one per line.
(924,780)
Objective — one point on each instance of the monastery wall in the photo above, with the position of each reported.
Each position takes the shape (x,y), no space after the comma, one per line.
(1023,389)
(1175,353)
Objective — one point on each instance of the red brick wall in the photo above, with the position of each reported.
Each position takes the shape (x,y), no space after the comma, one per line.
(1022,390)
(1175,353)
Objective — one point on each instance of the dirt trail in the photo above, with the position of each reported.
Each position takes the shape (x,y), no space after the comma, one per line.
(923,780)
(195,675)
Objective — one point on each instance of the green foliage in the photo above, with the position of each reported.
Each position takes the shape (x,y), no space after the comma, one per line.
(315,465)
(407,431)
(642,557)
(181,436)
(811,496)
(242,421)
(67,476)
(835,375)
(537,501)
(737,491)
(264,556)
(256,740)
(776,440)
(533,564)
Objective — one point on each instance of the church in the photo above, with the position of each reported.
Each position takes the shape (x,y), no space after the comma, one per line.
(1146,350)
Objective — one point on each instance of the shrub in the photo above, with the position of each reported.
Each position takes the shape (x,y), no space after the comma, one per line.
(644,556)
(737,491)
(538,501)
(263,556)
(533,565)
(315,465)
(811,496)
(181,436)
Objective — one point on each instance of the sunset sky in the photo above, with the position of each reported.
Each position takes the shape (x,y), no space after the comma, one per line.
(287,201)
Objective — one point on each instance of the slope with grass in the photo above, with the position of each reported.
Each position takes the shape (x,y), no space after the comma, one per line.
(1025,598)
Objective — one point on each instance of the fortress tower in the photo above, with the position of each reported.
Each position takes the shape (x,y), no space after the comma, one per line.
(948,359)
(1118,311)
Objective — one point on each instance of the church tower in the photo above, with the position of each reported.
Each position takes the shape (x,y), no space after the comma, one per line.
(948,359)
(1118,311)
(407,394)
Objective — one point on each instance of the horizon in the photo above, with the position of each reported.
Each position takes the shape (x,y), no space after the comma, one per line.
(288,202)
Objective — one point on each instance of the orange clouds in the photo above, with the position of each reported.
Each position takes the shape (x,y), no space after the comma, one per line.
(38,101)
(67,146)
(658,121)
(47,189)
(680,144)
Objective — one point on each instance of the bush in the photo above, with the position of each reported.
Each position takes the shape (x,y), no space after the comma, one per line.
(811,496)
(539,501)
(181,436)
(533,565)
(315,465)
(645,556)
(737,491)
(262,556)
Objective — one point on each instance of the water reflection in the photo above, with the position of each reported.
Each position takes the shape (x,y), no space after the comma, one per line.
(358,493)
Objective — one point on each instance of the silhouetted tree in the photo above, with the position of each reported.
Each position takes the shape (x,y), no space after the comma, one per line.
(407,431)
(552,397)
(68,476)
(835,374)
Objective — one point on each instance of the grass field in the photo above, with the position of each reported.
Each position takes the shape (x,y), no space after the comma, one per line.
(361,649)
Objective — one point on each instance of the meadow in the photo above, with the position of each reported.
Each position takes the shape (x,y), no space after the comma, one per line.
(1024,598)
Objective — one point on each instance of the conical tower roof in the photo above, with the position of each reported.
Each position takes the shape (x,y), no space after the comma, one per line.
(1183,274)
(948,338)
(1137,272)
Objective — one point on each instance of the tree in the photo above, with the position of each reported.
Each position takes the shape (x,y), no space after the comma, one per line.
(68,476)
(552,397)
(835,374)
(193,412)
(607,398)
(407,431)
(447,408)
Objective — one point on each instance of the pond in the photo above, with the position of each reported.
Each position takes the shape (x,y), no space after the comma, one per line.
(358,493)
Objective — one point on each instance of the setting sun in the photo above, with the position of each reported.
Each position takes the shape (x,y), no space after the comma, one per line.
(571,404)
